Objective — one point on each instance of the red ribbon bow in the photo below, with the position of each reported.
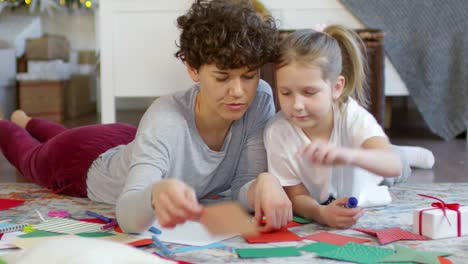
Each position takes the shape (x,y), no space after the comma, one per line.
(441,205)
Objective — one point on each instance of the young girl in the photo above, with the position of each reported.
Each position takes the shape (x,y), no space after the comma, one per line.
(324,145)
(188,146)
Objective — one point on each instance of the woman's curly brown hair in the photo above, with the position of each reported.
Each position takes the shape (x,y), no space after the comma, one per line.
(227,33)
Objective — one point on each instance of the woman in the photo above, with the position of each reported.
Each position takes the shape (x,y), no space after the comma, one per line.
(188,146)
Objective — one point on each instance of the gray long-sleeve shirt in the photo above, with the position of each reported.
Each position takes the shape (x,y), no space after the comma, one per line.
(168,145)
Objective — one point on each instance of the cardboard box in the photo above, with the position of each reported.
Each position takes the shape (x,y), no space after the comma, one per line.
(86,57)
(43,99)
(80,96)
(49,47)
(435,225)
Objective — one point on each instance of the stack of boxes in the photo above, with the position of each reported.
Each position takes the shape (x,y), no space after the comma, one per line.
(55,85)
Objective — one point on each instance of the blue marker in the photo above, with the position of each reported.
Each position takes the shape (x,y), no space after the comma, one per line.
(165,250)
(154,230)
(98,216)
(352,202)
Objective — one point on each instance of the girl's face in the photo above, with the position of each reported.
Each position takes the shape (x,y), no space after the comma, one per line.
(225,94)
(305,98)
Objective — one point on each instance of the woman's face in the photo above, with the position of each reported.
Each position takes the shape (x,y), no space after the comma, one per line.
(225,93)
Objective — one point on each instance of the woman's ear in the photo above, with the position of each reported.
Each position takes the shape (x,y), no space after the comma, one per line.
(338,87)
(193,73)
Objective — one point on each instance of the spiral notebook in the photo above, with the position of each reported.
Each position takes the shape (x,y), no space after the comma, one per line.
(9,227)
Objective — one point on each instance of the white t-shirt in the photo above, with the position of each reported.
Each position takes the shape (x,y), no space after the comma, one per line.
(352,126)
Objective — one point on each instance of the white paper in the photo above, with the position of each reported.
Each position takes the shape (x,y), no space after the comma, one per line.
(190,233)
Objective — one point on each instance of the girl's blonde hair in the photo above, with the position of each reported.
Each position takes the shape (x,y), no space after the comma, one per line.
(336,50)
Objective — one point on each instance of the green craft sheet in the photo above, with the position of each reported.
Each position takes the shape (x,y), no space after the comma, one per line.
(358,253)
(2,261)
(40,233)
(407,254)
(318,247)
(301,220)
(95,234)
(268,252)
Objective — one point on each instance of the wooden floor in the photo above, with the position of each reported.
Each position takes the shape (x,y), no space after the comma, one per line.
(451,156)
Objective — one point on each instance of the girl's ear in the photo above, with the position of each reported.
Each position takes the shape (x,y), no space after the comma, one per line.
(338,87)
(193,73)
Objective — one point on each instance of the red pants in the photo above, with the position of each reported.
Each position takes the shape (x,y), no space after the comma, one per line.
(56,157)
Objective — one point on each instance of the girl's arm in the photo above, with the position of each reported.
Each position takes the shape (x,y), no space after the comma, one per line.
(333,215)
(374,155)
(377,156)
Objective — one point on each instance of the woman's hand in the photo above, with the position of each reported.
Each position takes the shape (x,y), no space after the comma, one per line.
(338,216)
(320,152)
(174,202)
(272,203)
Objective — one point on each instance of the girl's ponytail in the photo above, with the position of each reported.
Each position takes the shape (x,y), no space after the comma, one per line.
(353,63)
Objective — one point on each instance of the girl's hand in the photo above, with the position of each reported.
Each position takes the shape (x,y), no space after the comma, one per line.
(337,216)
(271,202)
(320,152)
(174,202)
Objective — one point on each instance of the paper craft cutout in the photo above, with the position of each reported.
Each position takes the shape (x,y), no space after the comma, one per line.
(192,248)
(6,204)
(443,260)
(290,224)
(93,220)
(390,235)
(358,253)
(407,254)
(39,233)
(7,245)
(227,218)
(335,239)
(318,247)
(190,233)
(301,220)
(268,252)
(141,243)
(67,226)
(281,235)
(95,234)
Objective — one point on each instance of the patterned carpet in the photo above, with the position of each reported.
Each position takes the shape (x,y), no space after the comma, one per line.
(398,214)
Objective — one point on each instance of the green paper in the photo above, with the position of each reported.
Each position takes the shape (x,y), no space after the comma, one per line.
(407,254)
(95,234)
(268,252)
(40,233)
(301,220)
(2,261)
(318,247)
(358,253)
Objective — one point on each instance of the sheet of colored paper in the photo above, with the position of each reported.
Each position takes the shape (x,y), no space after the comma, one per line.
(40,233)
(96,234)
(301,220)
(227,218)
(6,204)
(281,235)
(268,252)
(335,239)
(318,247)
(358,253)
(190,233)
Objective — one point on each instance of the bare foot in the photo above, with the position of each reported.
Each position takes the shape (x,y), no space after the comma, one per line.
(20,118)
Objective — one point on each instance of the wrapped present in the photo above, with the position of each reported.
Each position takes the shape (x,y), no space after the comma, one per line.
(442,220)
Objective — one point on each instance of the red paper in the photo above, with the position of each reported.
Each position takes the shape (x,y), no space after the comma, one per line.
(6,204)
(443,260)
(390,235)
(335,239)
(93,220)
(281,235)
(142,242)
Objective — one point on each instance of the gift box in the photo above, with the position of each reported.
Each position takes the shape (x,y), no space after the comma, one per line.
(441,220)
(49,47)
